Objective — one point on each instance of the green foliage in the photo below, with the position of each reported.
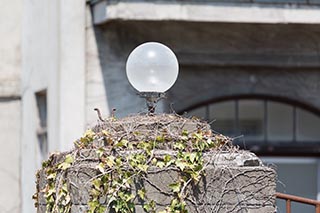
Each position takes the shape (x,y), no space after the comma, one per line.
(86,139)
(119,171)
(56,191)
(123,163)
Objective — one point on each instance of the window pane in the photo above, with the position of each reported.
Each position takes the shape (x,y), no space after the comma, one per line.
(308,126)
(280,122)
(198,112)
(223,117)
(41,98)
(251,119)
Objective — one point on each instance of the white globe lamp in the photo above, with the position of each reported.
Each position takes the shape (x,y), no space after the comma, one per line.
(152,68)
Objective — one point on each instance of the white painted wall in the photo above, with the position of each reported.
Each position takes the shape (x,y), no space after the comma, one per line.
(10,197)
(53,49)
(10,47)
(96,95)
(39,71)
(10,105)
(72,71)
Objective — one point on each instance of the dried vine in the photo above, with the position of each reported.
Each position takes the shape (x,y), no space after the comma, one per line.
(126,154)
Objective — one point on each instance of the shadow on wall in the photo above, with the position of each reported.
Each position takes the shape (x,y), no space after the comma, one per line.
(216,60)
(109,75)
(115,41)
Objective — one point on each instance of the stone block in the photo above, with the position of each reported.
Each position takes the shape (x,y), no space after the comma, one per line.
(222,187)
(157,186)
(41,209)
(233,181)
(79,183)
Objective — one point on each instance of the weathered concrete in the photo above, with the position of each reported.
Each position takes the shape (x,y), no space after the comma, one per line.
(216,60)
(273,3)
(10,105)
(204,11)
(225,188)
(10,196)
(107,85)
(300,85)
(39,69)
(53,60)
(96,94)
(72,71)
(234,180)
(10,48)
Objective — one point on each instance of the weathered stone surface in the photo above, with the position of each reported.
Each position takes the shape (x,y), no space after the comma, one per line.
(80,183)
(281,62)
(204,11)
(79,209)
(232,180)
(148,128)
(228,186)
(41,208)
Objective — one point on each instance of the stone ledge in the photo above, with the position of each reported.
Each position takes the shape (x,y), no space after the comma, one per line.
(203,12)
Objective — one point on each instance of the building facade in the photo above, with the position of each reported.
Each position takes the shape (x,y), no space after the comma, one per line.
(249,67)
(10,106)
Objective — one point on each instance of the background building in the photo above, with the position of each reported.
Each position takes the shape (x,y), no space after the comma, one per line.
(250,66)
(10,105)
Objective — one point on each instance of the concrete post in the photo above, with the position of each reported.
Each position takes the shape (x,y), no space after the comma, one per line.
(233,181)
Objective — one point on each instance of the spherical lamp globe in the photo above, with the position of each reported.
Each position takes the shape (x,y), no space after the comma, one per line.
(152,67)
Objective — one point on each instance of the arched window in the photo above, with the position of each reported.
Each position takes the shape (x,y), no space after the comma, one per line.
(268,127)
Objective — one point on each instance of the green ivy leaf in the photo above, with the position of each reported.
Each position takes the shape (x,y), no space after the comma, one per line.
(154,161)
(96,183)
(150,207)
(193,157)
(121,144)
(198,136)
(110,161)
(166,158)
(142,193)
(93,205)
(143,167)
(69,159)
(160,139)
(100,151)
(52,176)
(181,164)
(160,164)
(100,167)
(175,187)
(89,134)
(179,146)
(67,162)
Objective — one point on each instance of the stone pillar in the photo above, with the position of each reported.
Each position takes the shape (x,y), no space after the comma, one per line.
(231,180)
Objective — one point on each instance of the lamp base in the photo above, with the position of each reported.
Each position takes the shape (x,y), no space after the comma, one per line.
(152,98)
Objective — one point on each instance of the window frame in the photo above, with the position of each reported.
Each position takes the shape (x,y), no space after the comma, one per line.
(42,130)
(267,147)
